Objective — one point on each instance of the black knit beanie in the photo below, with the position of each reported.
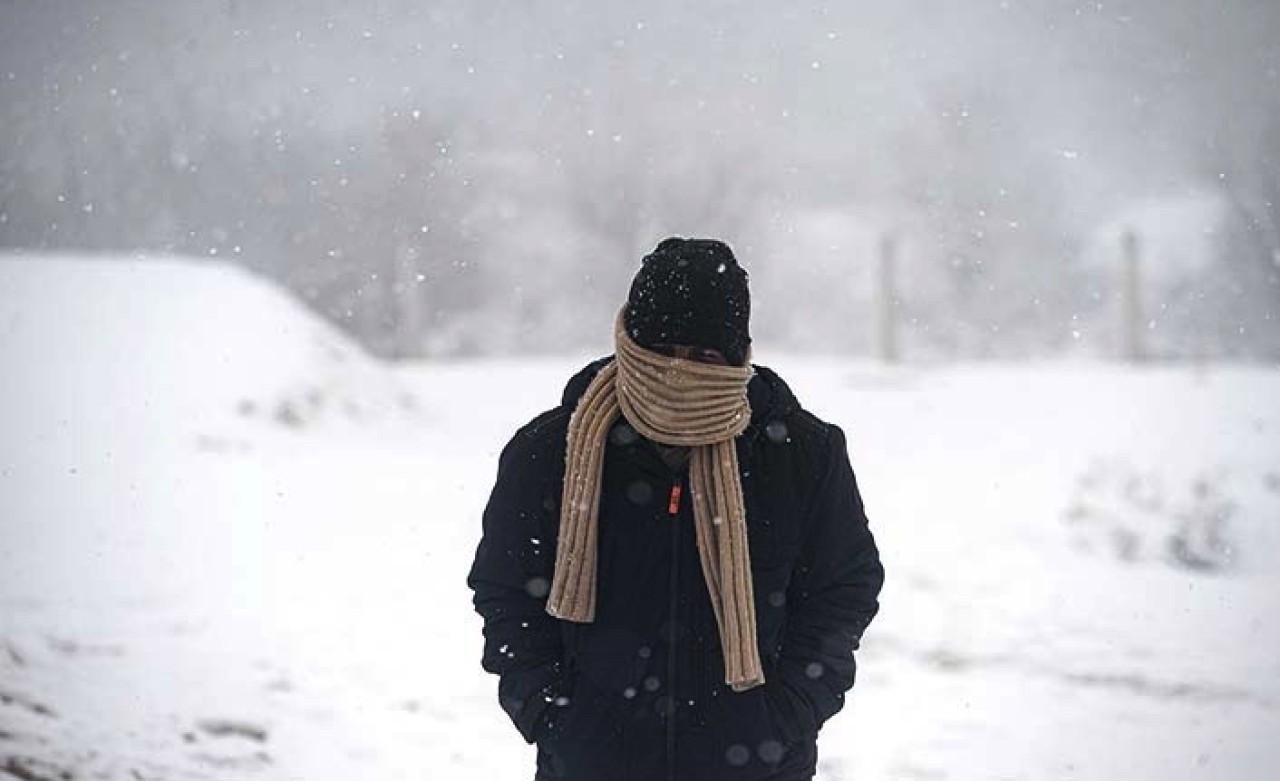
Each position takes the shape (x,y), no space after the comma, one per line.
(691,292)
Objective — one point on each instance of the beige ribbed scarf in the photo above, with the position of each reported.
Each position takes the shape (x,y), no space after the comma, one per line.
(675,402)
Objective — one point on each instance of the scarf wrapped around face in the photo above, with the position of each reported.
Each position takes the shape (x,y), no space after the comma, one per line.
(675,402)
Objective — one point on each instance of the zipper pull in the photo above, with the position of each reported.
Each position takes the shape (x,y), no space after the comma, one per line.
(673,505)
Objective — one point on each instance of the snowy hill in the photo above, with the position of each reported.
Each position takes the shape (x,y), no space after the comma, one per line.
(185,343)
(1081,558)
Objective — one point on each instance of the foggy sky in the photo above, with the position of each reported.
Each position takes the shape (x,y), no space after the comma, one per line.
(1130,89)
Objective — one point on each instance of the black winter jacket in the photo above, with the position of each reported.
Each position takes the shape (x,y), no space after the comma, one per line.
(639,694)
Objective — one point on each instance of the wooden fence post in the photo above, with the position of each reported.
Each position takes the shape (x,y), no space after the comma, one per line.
(408,303)
(887,301)
(1131,324)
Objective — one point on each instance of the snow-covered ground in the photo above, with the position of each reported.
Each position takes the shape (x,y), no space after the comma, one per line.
(232,546)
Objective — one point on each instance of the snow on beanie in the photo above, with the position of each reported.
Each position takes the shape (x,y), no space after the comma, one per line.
(691,292)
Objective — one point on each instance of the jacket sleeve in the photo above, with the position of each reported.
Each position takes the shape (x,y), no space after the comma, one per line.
(510,579)
(832,599)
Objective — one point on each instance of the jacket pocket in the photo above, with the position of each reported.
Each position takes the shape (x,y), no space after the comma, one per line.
(742,736)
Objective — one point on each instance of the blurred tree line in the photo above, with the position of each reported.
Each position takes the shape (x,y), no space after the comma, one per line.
(438,179)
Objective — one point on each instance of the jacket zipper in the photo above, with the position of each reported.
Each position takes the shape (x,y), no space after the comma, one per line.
(673,512)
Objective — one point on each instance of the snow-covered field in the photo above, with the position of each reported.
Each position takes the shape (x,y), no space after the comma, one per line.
(232,546)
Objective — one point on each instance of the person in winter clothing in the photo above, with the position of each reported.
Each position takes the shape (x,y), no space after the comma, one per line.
(676,567)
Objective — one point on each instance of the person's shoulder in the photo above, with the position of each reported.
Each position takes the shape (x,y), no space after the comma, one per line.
(820,441)
(804,423)
(547,425)
(776,405)
(816,440)
(551,426)
(537,447)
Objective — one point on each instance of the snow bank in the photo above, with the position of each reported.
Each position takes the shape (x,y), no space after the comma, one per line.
(111,348)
